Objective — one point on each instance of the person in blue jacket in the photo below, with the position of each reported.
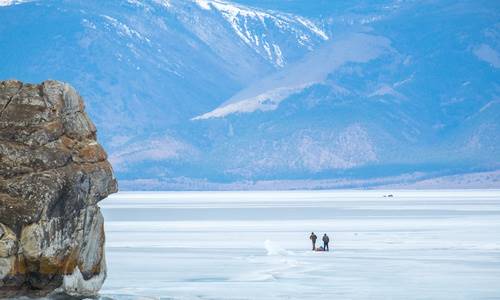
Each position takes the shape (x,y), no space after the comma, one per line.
(326,240)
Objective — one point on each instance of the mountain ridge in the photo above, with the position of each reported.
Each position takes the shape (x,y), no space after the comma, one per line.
(199,89)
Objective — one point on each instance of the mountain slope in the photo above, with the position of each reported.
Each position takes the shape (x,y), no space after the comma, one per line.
(187,93)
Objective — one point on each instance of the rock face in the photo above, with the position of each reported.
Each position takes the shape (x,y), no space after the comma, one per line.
(52,174)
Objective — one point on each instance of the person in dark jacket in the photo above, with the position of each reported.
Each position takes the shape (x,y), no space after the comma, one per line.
(326,240)
(313,238)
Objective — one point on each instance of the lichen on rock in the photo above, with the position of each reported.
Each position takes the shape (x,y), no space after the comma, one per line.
(52,175)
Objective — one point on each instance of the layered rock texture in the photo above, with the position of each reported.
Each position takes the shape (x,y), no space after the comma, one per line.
(52,175)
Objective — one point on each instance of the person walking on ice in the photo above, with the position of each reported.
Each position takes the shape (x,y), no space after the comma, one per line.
(326,240)
(313,239)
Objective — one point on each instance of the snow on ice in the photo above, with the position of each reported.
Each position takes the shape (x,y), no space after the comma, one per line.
(254,245)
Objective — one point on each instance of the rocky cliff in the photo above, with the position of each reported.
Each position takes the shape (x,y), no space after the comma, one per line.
(52,175)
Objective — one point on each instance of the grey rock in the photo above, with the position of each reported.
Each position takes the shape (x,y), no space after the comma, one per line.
(53,173)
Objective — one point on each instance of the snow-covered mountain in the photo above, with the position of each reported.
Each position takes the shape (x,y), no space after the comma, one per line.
(187,93)
(11,2)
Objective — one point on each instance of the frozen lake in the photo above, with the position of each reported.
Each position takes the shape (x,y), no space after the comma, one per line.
(212,245)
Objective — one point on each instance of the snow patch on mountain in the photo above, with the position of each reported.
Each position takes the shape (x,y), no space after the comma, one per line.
(404,81)
(267,101)
(12,2)
(486,53)
(267,94)
(489,105)
(124,30)
(156,149)
(253,26)
(309,24)
(386,90)
(203,4)
(236,15)
(165,3)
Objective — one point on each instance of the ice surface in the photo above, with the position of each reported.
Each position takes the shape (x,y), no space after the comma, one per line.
(275,249)
(255,245)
